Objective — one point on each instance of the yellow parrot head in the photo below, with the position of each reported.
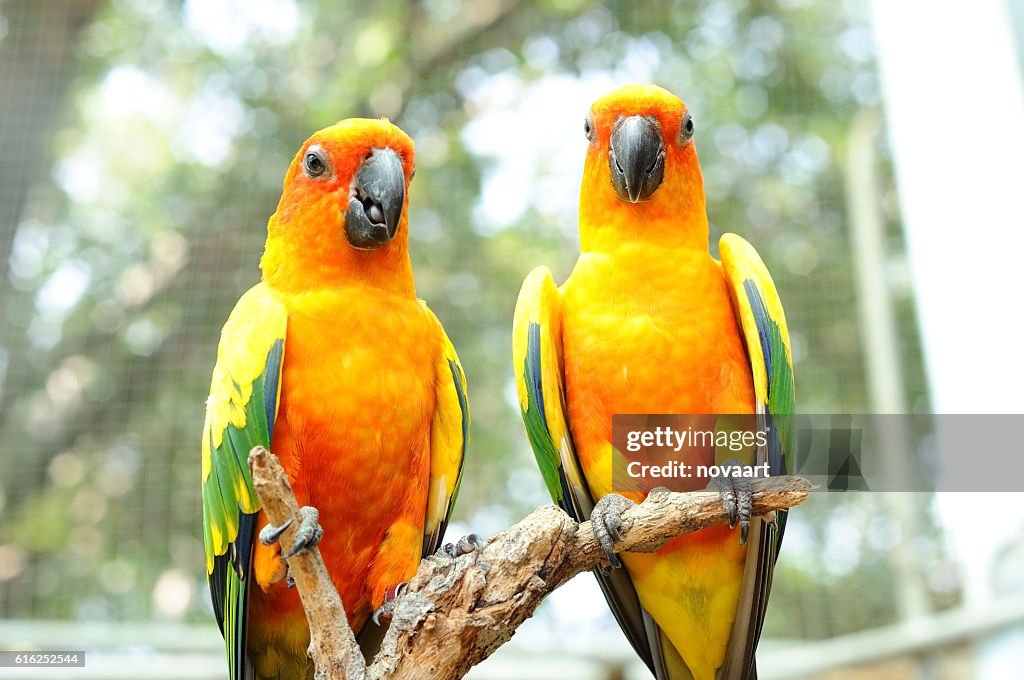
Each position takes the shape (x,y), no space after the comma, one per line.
(641,163)
(343,208)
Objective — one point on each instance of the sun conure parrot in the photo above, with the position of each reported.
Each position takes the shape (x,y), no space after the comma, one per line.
(649,322)
(332,363)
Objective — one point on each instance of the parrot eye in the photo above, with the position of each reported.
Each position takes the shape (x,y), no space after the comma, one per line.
(686,130)
(588,129)
(314,163)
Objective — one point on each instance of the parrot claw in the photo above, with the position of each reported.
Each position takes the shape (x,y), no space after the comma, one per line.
(309,532)
(270,534)
(387,609)
(607,520)
(737,499)
(464,546)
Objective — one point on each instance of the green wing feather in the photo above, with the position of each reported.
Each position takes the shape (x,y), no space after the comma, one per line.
(449,436)
(766,336)
(240,414)
(540,385)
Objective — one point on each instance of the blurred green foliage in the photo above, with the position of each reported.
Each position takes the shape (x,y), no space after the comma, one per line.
(144,221)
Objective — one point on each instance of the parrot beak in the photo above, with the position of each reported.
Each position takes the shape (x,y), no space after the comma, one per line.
(376,198)
(636,158)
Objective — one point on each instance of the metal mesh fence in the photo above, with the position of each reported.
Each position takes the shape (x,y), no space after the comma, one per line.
(142,145)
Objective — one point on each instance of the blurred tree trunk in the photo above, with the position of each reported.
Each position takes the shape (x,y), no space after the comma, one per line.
(37,62)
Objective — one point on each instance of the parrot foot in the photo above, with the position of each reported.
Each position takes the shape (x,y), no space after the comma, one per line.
(270,534)
(737,498)
(309,532)
(464,546)
(607,520)
(307,535)
(387,609)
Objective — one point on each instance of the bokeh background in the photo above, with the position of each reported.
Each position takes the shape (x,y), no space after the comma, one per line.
(870,156)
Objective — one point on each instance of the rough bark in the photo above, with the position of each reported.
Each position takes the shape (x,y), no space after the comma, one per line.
(457,612)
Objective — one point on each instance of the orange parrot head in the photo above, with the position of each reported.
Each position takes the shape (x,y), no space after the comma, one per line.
(641,170)
(342,213)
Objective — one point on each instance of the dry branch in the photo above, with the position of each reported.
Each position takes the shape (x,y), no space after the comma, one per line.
(332,646)
(457,612)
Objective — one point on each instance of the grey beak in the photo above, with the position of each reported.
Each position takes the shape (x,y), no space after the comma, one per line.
(636,158)
(378,195)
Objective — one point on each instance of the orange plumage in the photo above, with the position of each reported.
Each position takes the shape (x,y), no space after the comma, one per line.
(370,420)
(648,322)
(647,287)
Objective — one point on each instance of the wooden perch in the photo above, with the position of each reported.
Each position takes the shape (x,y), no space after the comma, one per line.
(332,646)
(457,612)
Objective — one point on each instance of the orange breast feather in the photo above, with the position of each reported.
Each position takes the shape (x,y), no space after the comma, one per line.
(353,430)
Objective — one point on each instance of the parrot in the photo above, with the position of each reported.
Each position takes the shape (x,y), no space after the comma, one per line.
(333,364)
(649,322)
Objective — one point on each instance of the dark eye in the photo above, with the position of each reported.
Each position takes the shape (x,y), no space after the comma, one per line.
(314,163)
(588,129)
(686,130)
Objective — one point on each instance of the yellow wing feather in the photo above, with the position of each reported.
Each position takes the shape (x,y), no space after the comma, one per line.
(255,327)
(449,435)
(742,263)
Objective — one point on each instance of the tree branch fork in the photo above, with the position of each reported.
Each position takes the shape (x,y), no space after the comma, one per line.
(455,612)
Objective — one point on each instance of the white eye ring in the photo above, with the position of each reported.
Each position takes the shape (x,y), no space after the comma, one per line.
(686,130)
(315,162)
